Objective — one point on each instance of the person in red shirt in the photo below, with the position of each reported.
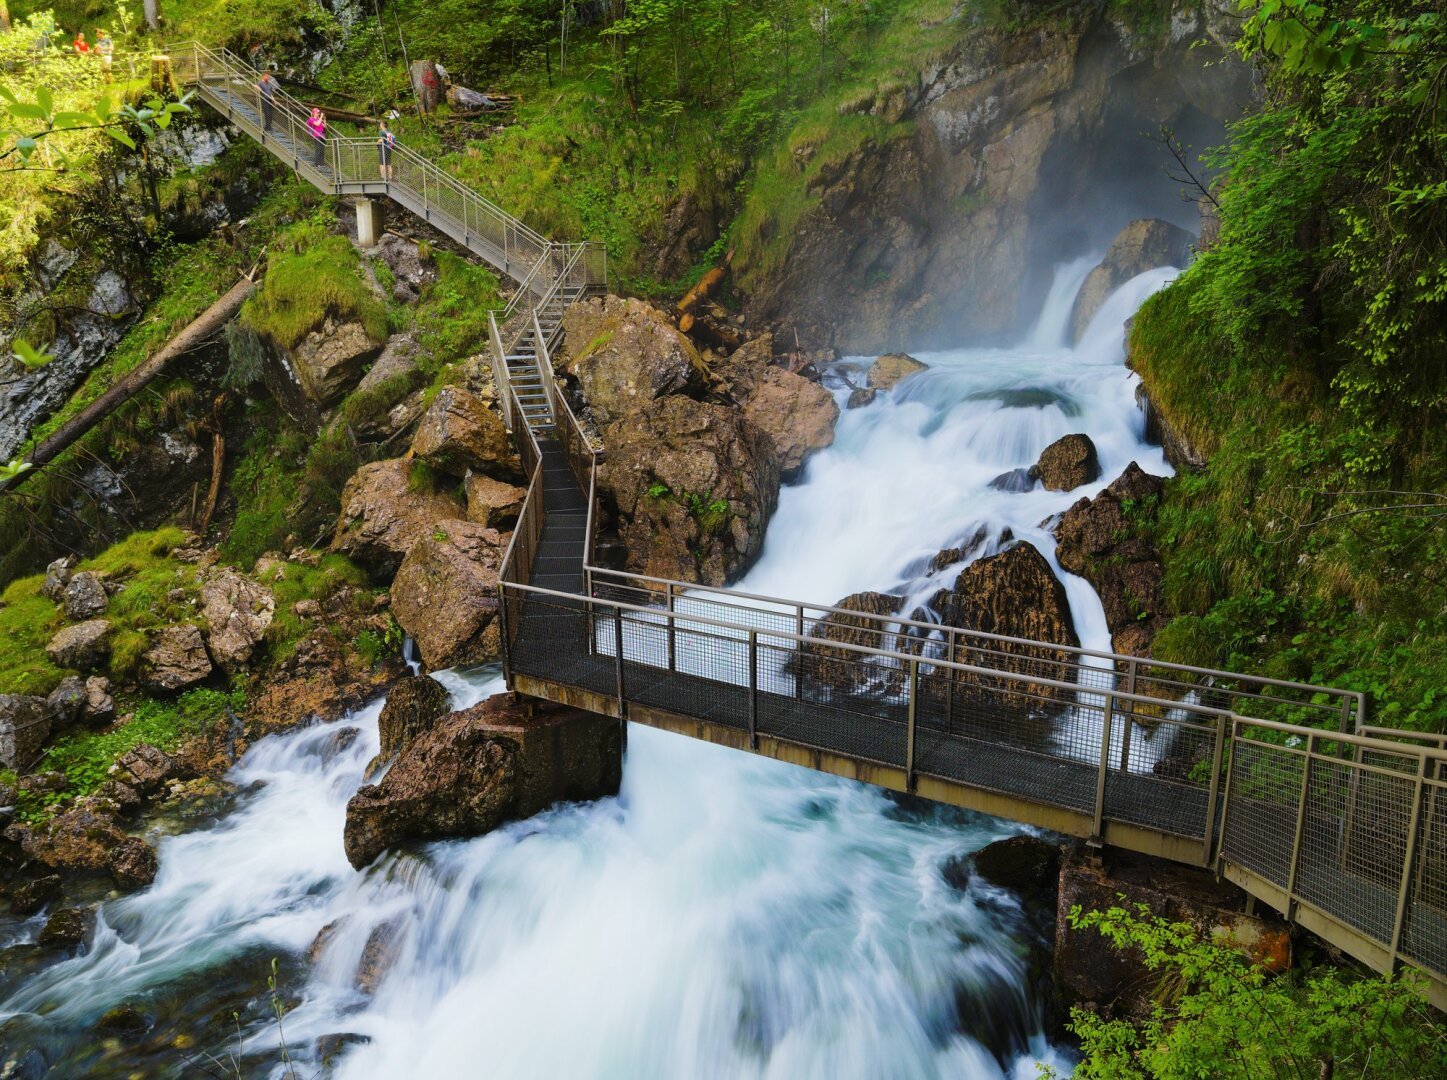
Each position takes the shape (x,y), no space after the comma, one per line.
(81,47)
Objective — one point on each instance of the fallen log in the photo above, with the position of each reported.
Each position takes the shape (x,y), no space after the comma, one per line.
(706,285)
(131,383)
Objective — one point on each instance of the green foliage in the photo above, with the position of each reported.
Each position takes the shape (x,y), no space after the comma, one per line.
(374,647)
(1219,1015)
(287,485)
(313,273)
(149,575)
(299,582)
(452,314)
(85,757)
(28,620)
(1302,354)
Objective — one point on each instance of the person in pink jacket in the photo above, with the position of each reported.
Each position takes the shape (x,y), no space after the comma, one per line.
(316,123)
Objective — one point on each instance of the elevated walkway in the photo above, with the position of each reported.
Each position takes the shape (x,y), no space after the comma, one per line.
(1343,831)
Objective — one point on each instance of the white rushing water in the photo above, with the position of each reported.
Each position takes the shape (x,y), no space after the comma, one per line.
(725,916)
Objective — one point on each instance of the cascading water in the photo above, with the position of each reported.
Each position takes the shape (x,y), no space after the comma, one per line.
(724,916)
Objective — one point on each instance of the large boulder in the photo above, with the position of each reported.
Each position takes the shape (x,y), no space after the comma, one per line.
(331,358)
(147,769)
(828,665)
(1066,464)
(237,612)
(458,433)
(886,372)
(1146,244)
(24,727)
(176,659)
(625,355)
(496,762)
(57,577)
(797,414)
(1013,594)
(1107,541)
(1090,970)
(67,928)
(1020,863)
(413,706)
(492,502)
(383,514)
(82,647)
(694,484)
(100,707)
(445,593)
(66,704)
(84,597)
(133,864)
(77,839)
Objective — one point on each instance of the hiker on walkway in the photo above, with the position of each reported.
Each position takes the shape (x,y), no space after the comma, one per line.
(386,142)
(81,48)
(266,90)
(316,124)
(105,48)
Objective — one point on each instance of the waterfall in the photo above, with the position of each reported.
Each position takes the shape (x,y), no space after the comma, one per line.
(724,916)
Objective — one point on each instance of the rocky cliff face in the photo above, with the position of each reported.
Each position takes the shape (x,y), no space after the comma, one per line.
(949,232)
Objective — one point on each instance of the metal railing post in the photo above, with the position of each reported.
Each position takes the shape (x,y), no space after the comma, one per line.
(503,634)
(950,683)
(1294,865)
(1130,682)
(1105,721)
(799,652)
(618,654)
(754,689)
(910,728)
(1226,797)
(1208,837)
(672,632)
(1413,826)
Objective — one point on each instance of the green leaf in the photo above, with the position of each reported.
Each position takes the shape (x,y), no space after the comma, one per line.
(27,110)
(121,137)
(44,99)
(28,356)
(25,145)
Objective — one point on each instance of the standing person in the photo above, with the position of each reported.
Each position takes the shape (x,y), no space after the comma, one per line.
(316,124)
(105,48)
(81,48)
(386,141)
(266,89)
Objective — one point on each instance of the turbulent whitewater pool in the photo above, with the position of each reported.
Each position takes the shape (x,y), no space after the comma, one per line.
(725,916)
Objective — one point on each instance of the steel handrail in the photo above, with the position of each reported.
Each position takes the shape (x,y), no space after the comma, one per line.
(907,658)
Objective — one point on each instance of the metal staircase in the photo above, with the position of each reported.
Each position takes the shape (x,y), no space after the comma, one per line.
(549,275)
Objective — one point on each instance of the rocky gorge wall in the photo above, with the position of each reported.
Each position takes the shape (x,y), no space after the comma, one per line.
(1020,148)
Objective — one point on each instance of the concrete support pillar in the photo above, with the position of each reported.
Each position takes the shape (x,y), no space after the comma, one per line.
(371,221)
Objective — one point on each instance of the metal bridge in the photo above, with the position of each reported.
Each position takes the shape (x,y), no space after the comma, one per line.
(1279,786)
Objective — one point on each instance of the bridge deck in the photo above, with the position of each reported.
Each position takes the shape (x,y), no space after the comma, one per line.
(983,752)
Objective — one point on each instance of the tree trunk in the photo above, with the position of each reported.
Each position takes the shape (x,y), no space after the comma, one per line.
(4,16)
(153,13)
(206,324)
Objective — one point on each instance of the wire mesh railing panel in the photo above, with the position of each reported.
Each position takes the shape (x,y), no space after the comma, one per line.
(1424,931)
(1261,814)
(1354,842)
(861,725)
